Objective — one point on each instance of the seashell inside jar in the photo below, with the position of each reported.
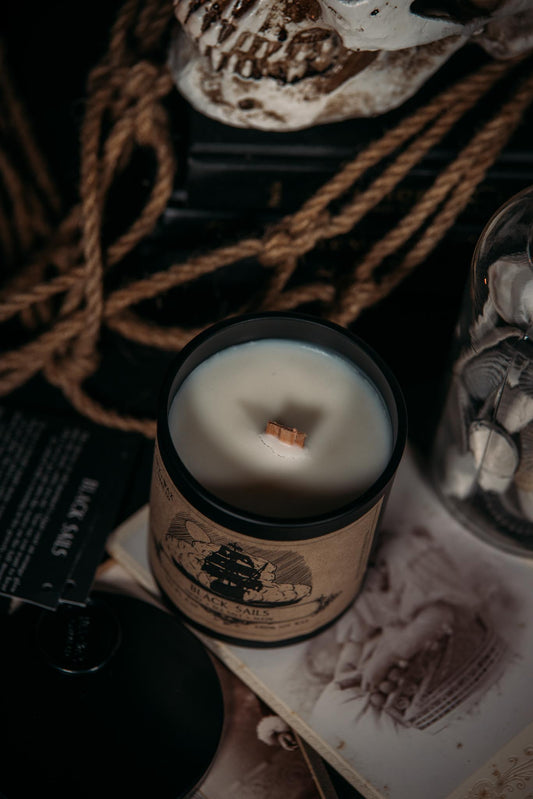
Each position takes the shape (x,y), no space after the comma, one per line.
(483,451)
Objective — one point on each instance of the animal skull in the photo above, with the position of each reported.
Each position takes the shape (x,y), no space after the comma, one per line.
(289,64)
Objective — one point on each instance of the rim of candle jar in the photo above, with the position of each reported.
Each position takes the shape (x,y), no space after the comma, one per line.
(284,326)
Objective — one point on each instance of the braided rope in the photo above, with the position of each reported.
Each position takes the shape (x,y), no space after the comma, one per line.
(125,111)
(456,182)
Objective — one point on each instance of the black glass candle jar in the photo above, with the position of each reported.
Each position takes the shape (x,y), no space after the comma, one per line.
(253,576)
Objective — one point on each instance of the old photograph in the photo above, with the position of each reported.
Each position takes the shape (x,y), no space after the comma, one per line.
(435,647)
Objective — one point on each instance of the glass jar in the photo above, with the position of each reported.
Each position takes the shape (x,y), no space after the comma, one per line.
(483,453)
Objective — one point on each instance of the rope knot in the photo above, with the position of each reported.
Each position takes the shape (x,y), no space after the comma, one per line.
(68,356)
(278,246)
(142,80)
(293,237)
(71,367)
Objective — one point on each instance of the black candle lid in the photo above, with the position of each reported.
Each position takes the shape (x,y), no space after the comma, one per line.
(115,699)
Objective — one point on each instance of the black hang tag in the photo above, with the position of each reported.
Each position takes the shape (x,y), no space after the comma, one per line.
(99,523)
(61,486)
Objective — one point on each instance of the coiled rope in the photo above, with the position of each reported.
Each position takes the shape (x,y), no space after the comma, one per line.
(60,262)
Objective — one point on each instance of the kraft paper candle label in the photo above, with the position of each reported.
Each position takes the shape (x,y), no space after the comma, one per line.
(253,589)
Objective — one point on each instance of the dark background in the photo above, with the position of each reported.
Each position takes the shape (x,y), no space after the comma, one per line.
(224,190)
(226,182)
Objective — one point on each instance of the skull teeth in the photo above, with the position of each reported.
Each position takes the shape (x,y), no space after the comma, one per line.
(266,59)
(262,49)
(233,61)
(210,37)
(321,63)
(229,11)
(245,42)
(246,69)
(253,55)
(217,58)
(296,71)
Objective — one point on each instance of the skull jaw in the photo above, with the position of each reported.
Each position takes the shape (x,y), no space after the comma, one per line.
(384,83)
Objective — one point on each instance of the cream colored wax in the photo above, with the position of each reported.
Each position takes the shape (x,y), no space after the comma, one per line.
(219,415)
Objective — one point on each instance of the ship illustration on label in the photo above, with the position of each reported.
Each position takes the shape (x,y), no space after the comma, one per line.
(235,573)
(256,577)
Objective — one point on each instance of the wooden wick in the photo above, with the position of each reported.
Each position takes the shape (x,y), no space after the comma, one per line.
(287,435)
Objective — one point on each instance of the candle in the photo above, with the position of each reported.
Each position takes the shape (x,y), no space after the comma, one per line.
(277,442)
(219,416)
